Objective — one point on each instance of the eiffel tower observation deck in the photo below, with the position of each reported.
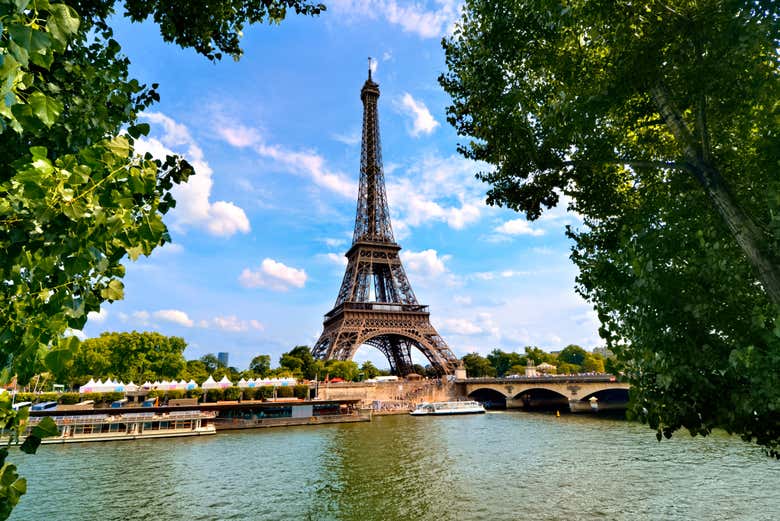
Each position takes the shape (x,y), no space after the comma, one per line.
(376,305)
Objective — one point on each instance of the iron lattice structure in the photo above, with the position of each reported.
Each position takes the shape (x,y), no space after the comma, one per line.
(376,305)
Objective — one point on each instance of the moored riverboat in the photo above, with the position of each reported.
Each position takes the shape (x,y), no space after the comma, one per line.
(447,408)
(129,426)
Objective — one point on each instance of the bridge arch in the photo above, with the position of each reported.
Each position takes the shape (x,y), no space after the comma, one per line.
(489,397)
(541,398)
(608,398)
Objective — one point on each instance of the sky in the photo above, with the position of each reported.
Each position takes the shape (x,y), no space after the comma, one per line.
(259,233)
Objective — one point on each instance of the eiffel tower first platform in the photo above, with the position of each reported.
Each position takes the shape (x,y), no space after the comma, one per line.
(376,305)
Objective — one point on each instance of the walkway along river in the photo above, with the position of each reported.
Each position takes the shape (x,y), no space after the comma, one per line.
(495,466)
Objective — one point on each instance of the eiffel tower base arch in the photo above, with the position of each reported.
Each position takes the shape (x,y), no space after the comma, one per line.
(394,333)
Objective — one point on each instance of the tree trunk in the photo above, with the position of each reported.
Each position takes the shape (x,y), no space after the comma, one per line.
(743,228)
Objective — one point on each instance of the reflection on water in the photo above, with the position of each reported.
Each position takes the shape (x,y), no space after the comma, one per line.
(495,466)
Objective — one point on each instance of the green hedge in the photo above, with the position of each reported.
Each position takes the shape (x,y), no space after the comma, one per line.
(212,395)
(194,393)
(301,391)
(232,393)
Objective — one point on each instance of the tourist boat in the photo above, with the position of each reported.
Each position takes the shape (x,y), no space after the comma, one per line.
(442,408)
(129,426)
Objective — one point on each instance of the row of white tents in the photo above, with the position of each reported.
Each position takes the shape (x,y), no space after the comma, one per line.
(110,386)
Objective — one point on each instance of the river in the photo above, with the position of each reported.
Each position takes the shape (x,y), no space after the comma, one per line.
(502,465)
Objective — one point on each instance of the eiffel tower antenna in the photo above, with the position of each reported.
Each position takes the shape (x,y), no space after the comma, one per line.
(375,305)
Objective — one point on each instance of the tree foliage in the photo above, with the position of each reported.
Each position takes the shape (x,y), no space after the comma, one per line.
(129,357)
(572,354)
(260,365)
(659,122)
(503,361)
(75,199)
(477,365)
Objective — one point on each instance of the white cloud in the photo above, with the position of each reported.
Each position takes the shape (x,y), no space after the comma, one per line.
(519,226)
(273,275)
(232,323)
(98,316)
(193,207)
(78,333)
(333,258)
(239,136)
(426,263)
(494,275)
(142,316)
(436,189)
(460,326)
(334,242)
(175,316)
(422,120)
(311,165)
(387,55)
(351,139)
(417,18)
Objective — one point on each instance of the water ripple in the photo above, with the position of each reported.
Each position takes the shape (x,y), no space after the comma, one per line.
(487,467)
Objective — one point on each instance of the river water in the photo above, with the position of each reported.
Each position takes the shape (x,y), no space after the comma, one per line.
(502,465)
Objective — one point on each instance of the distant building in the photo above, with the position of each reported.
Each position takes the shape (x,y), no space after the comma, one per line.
(223,359)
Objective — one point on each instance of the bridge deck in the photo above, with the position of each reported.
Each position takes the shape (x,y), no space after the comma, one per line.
(558,379)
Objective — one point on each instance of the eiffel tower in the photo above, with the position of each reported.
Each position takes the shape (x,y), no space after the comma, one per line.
(376,305)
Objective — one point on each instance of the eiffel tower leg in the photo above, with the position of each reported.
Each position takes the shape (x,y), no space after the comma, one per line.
(401,352)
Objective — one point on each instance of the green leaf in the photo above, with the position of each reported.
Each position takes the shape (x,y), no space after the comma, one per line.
(141,129)
(45,108)
(62,24)
(24,116)
(120,146)
(45,429)
(114,291)
(57,360)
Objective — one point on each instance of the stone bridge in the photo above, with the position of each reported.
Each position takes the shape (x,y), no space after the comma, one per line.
(576,391)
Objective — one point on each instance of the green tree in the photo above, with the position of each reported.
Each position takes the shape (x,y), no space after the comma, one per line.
(75,198)
(211,362)
(477,365)
(572,354)
(593,364)
(346,369)
(260,365)
(660,125)
(125,356)
(537,356)
(195,370)
(503,361)
(300,362)
(369,370)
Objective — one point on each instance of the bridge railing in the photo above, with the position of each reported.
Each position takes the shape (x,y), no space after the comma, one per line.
(550,378)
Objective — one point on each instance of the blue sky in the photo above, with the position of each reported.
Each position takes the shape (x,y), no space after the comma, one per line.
(260,232)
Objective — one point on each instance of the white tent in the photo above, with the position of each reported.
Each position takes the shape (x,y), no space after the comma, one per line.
(210,384)
(147,385)
(224,383)
(243,383)
(131,387)
(182,384)
(192,385)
